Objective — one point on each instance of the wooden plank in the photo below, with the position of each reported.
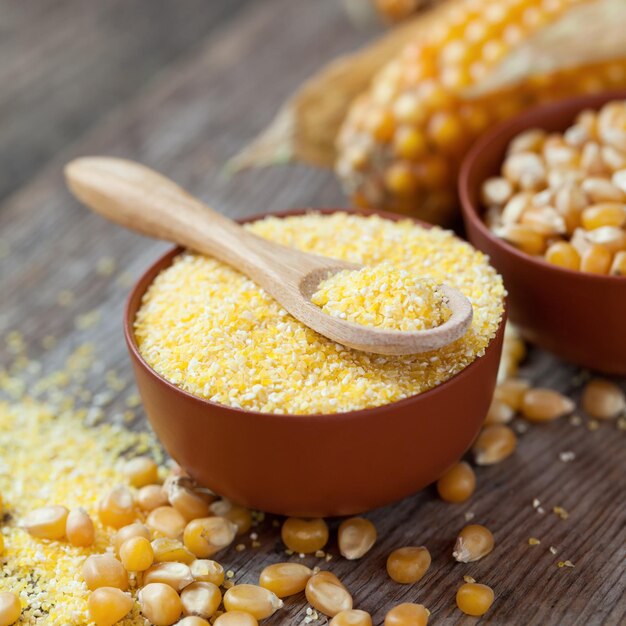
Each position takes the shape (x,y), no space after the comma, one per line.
(187,123)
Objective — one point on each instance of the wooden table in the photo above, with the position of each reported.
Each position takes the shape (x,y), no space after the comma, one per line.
(181,86)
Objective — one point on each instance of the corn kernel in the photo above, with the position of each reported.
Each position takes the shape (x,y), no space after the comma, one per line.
(79,528)
(523,237)
(48,522)
(236,618)
(160,604)
(496,191)
(407,614)
(192,620)
(408,565)
(545,405)
(351,617)
(400,179)
(108,605)
(117,508)
(600,190)
(151,497)
(457,484)
(603,399)
(141,471)
(605,214)
(499,412)
(355,537)
(325,592)
(618,267)
(257,601)
(136,554)
(238,515)
(175,575)
(473,543)
(474,599)
(167,550)
(10,608)
(304,536)
(127,532)
(104,570)
(564,255)
(285,579)
(495,443)
(205,570)
(511,392)
(409,143)
(201,599)
(208,535)
(166,521)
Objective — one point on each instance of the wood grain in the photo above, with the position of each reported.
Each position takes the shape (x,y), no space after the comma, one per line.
(187,121)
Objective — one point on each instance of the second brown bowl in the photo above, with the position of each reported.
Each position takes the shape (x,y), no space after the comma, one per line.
(577,316)
(315,465)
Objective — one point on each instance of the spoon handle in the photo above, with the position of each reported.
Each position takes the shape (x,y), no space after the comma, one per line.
(143,200)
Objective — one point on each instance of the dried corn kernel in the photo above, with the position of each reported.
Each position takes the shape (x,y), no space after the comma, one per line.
(596,260)
(408,565)
(304,536)
(457,484)
(166,521)
(618,267)
(201,599)
(257,601)
(407,614)
(104,570)
(285,579)
(79,528)
(141,471)
(474,599)
(208,535)
(355,537)
(182,497)
(48,522)
(473,543)
(127,532)
(351,617)
(605,214)
(151,497)
(523,237)
(193,620)
(325,592)
(10,608)
(603,399)
(511,392)
(499,412)
(117,508)
(383,297)
(175,575)
(205,570)
(136,554)
(160,604)
(166,550)
(108,605)
(495,443)
(236,618)
(238,515)
(496,191)
(545,405)
(564,255)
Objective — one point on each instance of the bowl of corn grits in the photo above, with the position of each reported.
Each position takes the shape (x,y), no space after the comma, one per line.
(269,414)
(559,256)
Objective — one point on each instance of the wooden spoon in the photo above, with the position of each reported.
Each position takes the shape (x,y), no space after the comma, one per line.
(134,196)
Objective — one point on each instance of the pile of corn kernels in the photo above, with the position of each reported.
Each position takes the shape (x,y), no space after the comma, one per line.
(208,329)
(383,297)
(562,196)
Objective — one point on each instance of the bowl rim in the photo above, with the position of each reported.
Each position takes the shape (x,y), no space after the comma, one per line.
(170,254)
(530,118)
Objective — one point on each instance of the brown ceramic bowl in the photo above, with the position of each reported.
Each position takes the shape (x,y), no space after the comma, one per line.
(315,465)
(577,316)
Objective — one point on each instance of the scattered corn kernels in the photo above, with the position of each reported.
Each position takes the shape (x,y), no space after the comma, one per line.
(473,543)
(151,497)
(182,497)
(407,614)
(79,528)
(474,599)
(511,392)
(352,617)
(409,564)
(208,535)
(47,522)
(166,521)
(117,508)
(10,608)
(104,570)
(457,484)
(258,601)
(236,618)
(355,537)
(136,529)
(201,599)
(175,575)
(141,471)
(285,579)
(304,536)
(136,554)
(326,593)
(205,570)
(545,405)
(238,515)
(160,604)
(166,550)
(108,605)
(603,399)
(495,443)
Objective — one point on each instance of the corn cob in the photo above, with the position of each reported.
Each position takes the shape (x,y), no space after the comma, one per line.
(402,141)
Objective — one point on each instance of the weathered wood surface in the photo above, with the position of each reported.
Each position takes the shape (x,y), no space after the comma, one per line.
(209,97)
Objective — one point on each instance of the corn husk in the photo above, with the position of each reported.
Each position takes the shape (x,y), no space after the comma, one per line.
(306,127)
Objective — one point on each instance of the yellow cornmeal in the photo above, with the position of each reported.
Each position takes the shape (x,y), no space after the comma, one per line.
(214,333)
(383,296)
